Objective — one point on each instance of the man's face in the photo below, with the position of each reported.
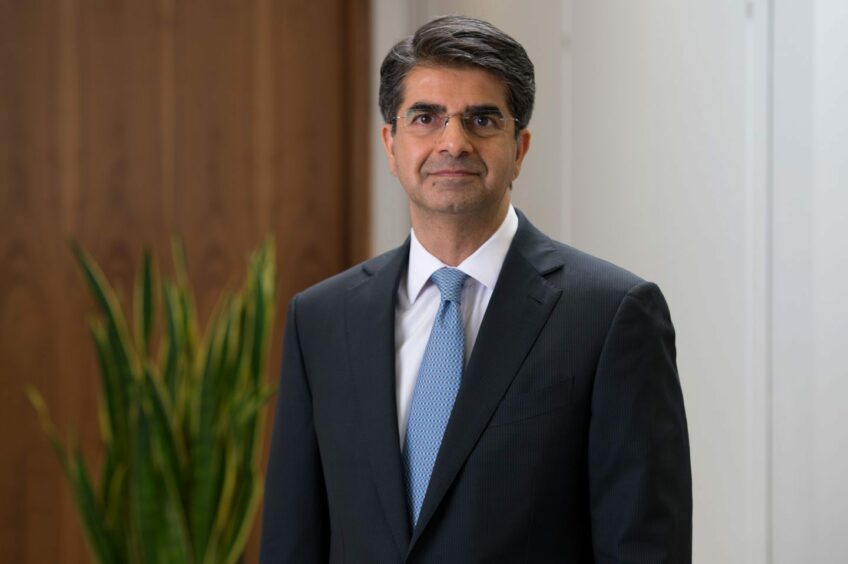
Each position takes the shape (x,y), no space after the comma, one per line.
(452,171)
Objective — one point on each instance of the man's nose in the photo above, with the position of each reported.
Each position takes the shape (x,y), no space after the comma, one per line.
(454,139)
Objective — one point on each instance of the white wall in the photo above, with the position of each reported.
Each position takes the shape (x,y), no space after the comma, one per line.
(830,280)
(702,144)
(391,20)
(662,184)
(810,376)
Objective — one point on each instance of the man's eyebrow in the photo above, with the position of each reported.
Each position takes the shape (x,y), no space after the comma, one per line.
(426,107)
(481,109)
(484,109)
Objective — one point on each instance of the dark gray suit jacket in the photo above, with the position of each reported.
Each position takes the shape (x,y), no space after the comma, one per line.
(567,442)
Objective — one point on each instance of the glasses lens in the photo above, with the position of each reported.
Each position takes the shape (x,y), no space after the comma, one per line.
(425,124)
(483,125)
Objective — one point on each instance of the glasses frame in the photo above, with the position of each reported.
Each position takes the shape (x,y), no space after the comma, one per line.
(463,117)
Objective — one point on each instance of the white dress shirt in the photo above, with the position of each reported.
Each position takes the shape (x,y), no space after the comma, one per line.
(419,299)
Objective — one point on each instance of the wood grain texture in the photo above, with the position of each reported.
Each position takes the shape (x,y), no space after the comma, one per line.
(358,196)
(123,123)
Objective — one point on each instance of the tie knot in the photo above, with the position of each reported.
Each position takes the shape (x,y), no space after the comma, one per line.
(449,282)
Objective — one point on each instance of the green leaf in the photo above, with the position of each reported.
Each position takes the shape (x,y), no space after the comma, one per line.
(113,390)
(98,539)
(206,458)
(180,263)
(114,495)
(144,489)
(168,440)
(121,354)
(170,458)
(174,339)
(37,402)
(263,289)
(227,493)
(145,298)
(243,514)
(180,480)
(188,317)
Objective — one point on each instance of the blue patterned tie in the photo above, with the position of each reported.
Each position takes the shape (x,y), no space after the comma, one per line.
(435,390)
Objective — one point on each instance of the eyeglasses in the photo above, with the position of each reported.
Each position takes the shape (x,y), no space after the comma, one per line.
(423,123)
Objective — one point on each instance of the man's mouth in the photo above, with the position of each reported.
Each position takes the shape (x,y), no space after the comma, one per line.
(452,173)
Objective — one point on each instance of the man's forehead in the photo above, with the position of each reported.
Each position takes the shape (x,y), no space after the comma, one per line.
(453,88)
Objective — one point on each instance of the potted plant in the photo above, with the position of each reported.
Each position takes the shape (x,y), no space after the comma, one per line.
(181,419)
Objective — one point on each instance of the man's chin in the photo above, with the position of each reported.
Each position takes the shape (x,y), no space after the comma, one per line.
(454,180)
(455,207)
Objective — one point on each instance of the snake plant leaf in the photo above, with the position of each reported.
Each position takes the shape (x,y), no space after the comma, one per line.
(243,503)
(145,302)
(40,407)
(107,300)
(74,469)
(180,263)
(96,280)
(262,312)
(229,383)
(172,459)
(249,406)
(206,458)
(143,486)
(179,481)
(263,289)
(178,354)
(176,544)
(117,357)
(228,487)
(114,496)
(169,441)
(169,460)
(189,317)
(96,535)
(239,524)
(123,355)
(173,339)
(113,408)
(114,388)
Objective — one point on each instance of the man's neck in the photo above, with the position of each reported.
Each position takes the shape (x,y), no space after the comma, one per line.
(454,238)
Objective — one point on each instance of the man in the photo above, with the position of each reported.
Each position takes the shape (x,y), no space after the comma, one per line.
(482,393)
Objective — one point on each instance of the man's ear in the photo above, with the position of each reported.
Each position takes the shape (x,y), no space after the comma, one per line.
(388,146)
(522,145)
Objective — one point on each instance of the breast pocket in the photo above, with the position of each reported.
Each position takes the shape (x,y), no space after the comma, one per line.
(534,403)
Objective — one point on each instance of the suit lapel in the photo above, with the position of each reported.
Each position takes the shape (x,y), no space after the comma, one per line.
(370,322)
(520,305)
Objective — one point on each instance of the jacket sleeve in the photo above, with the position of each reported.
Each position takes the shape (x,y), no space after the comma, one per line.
(640,483)
(295,523)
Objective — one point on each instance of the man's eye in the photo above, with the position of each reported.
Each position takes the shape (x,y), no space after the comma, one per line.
(482,121)
(422,118)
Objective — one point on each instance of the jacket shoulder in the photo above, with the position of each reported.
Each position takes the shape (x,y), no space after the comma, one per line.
(337,285)
(571,269)
(596,273)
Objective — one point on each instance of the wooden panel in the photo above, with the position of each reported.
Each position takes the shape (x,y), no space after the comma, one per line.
(357,196)
(32,345)
(123,123)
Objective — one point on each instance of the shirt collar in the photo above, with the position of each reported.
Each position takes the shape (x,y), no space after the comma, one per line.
(484,264)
